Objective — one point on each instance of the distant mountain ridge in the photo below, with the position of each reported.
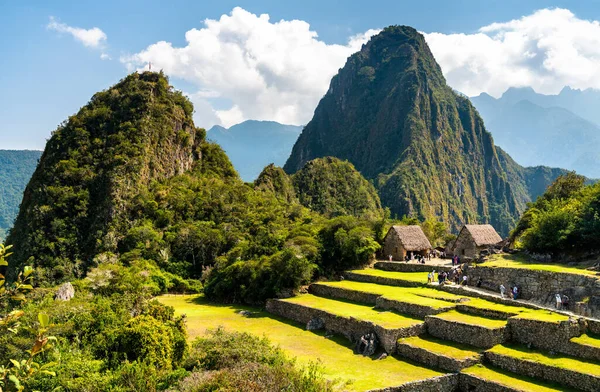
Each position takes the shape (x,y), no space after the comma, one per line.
(390,112)
(554,130)
(252,145)
(16,168)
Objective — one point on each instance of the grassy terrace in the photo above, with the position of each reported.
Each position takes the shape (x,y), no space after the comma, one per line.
(386,319)
(559,361)
(465,318)
(417,277)
(587,340)
(512,380)
(335,354)
(419,295)
(518,261)
(443,347)
(521,312)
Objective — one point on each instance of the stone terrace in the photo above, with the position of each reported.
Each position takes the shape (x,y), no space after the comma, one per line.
(484,343)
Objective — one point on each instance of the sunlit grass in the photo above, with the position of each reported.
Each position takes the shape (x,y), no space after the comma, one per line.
(517,261)
(559,361)
(443,347)
(416,277)
(513,381)
(587,340)
(335,353)
(465,318)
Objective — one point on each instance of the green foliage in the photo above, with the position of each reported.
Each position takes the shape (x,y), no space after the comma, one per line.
(232,361)
(565,219)
(334,188)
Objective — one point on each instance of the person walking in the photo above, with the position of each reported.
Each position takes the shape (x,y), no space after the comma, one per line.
(515,292)
(390,257)
(558,301)
(502,290)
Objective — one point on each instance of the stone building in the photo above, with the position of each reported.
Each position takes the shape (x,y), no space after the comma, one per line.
(472,239)
(402,240)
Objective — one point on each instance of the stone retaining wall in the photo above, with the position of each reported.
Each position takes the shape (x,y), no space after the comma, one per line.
(435,360)
(495,314)
(445,383)
(409,267)
(472,383)
(475,335)
(350,327)
(541,286)
(552,336)
(413,309)
(563,376)
(338,292)
(382,280)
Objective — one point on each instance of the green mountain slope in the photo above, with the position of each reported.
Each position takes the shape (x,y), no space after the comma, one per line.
(16,168)
(76,203)
(390,113)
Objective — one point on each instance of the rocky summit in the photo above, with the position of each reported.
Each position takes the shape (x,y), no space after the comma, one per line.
(390,112)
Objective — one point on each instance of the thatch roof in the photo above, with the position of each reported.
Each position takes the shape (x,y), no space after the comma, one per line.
(411,237)
(483,234)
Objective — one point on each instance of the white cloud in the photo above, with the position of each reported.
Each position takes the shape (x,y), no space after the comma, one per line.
(91,38)
(267,70)
(546,50)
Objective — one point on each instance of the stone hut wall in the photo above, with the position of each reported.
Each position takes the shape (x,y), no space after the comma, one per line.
(393,246)
(465,246)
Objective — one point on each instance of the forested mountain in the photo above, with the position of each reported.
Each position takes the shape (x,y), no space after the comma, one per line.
(252,145)
(390,112)
(16,168)
(535,133)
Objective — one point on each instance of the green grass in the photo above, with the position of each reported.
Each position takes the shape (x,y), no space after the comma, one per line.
(587,340)
(416,295)
(518,261)
(559,361)
(384,318)
(443,347)
(335,354)
(511,380)
(518,311)
(465,318)
(416,277)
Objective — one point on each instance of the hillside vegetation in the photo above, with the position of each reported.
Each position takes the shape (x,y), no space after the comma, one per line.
(16,168)
(391,114)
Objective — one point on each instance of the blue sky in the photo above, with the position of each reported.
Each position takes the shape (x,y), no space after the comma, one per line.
(48,74)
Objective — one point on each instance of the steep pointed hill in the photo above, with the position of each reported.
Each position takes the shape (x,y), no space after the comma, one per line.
(390,113)
(76,203)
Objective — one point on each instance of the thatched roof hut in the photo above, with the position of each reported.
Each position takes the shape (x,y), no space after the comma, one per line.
(472,239)
(400,240)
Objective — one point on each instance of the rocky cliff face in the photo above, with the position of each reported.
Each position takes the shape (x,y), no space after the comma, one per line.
(390,112)
(74,207)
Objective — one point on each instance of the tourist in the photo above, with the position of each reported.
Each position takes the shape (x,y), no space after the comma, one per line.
(565,302)
(515,292)
(464,280)
(502,290)
(558,301)
(429,277)
(390,257)
(478,282)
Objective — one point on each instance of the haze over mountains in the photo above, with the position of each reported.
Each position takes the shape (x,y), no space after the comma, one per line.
(557,130)
(252,145)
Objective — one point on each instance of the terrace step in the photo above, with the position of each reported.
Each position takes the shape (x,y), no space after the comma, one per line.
(565,370)
(481,378)
(350,319)
(482,307)
(439,354)
(416,301)
(585,346)
(466,328)
(401,266)
(390,278)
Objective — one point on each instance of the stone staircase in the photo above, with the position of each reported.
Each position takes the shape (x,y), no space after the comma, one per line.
(478,344)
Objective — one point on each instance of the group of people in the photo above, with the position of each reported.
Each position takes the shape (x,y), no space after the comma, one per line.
(562,301)
(455,260)
(447,277)
(513,293)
